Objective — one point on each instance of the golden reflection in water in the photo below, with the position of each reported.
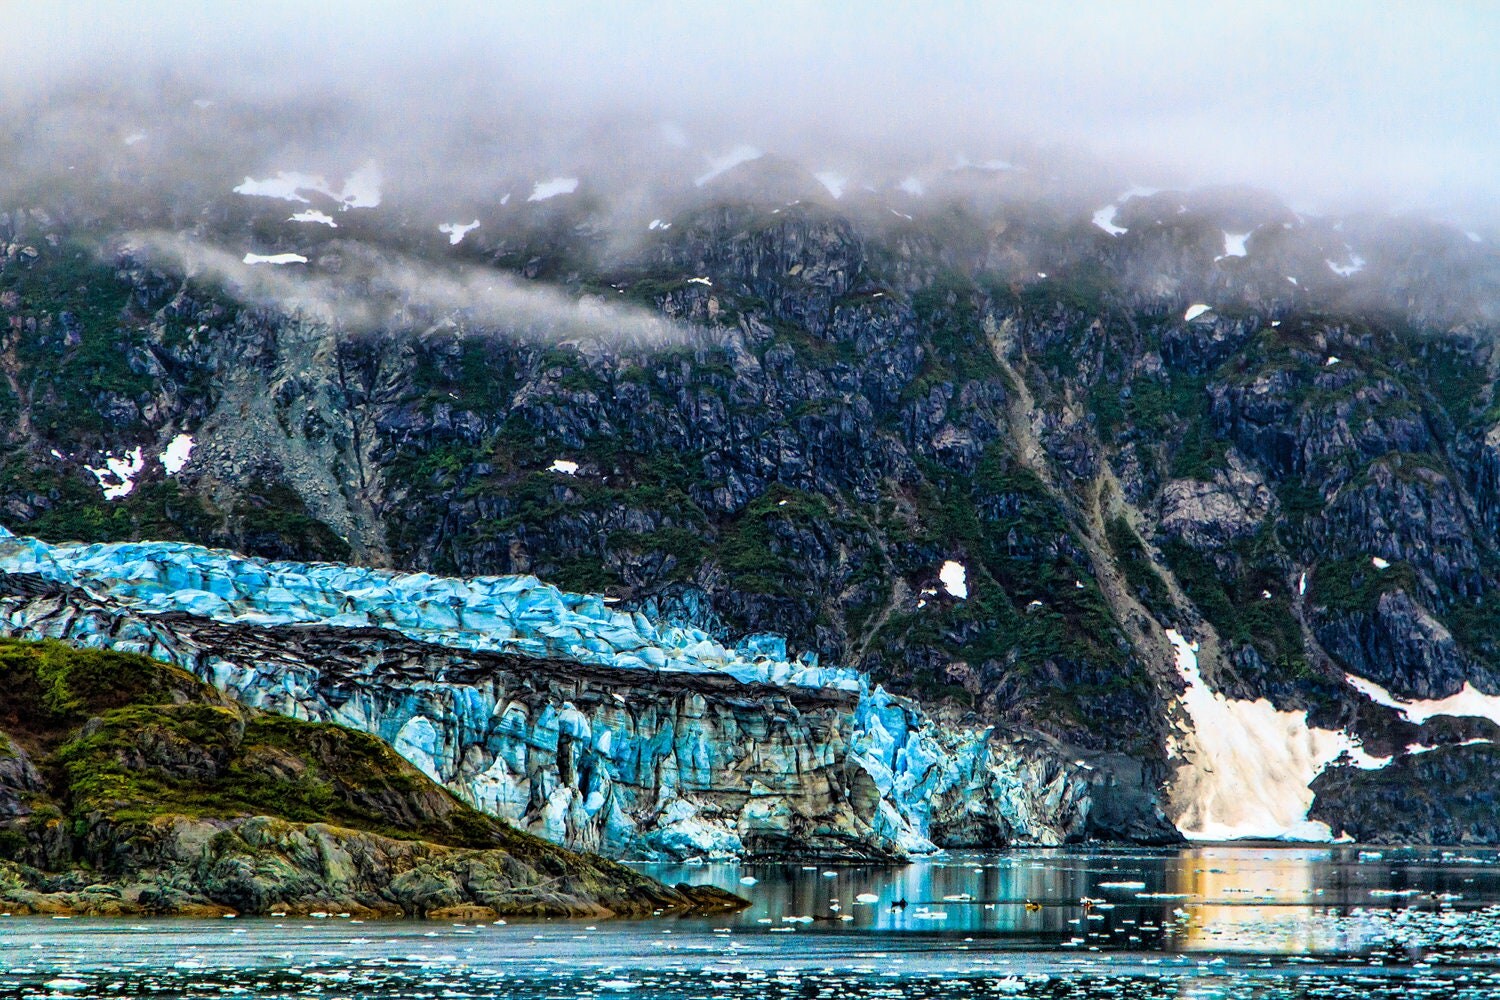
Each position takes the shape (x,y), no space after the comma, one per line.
(1251,899)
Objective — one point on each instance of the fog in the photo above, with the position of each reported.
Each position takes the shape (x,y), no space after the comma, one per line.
(1390,105)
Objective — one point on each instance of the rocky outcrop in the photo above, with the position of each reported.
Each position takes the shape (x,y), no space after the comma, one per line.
(155,793)
(1441,796)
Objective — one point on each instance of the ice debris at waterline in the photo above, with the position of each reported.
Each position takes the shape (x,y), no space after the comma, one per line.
(1249,765)
(647,768)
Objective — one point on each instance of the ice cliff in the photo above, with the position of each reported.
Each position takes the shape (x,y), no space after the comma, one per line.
(595,728)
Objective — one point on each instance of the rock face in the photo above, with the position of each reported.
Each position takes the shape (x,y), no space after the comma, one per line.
(846,397)
(618,759)
(163,795)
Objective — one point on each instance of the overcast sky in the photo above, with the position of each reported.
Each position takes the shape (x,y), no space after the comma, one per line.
(1395,102)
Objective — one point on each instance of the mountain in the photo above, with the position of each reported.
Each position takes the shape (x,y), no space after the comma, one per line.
(1082,474)
(127,786)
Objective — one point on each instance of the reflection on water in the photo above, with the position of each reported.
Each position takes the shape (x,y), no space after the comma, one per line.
(1284,900)
(1206,923)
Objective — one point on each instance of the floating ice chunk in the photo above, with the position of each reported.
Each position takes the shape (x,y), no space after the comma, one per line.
(1234,245)
(867,898)
(955,579)
(116,477)
(719,164)
(833,181)
(456,231)
(564,466)
(542,190)
(175,458)
(1194,311)
(313,215)
(1104,218)
(913,186)
(1380,563)
(275,258)
(1356,263)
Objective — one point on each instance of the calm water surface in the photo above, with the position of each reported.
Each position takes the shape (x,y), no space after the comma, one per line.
(1203,923)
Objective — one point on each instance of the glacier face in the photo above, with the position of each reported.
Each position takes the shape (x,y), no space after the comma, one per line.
(594,728)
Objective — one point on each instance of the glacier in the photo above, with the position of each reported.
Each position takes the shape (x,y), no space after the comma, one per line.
(596,728)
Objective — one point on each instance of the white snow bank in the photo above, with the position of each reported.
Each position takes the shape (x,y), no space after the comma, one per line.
(1234,245)
(719,164)
(1194,311)
(834,181)
(179,451)
(360,190)
(1380,563)
(542,190)
(1468,703)
(456,231)
(955,579)
(116,477)
(564,466)
(1104,218)
(913,186)
(1356,263)
(1248,765)
(313,215)
(275,258)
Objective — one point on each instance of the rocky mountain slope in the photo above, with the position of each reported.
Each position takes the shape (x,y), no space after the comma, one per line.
(1198,410)
(127,786)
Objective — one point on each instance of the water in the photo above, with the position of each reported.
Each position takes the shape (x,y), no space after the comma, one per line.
(1205,923)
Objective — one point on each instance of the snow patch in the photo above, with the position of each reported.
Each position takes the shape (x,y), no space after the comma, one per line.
(116,477)
(1104,218)
(564,466)
(1356,264)
(542,190)
(1234,245)
(1380,563)
(1468,703)
(275,258)
(179,451)
(913,186)
(1333,359)
(133,138)
(719,164)
(955,579)
(1247,766)
(834,181)
(1194,311)
(360,190)
(313,215)
(658,224)
(456,231)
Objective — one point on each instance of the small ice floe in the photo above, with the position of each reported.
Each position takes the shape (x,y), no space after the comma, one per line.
(542,190)
(1333,359)
(175,458)
(313,215)
(1122,885)
(1104,218)
(955,579)
(456,231)
(834,181)
(719,164)
(1355,264)
(1194,311)
(564,466)
(275,258)
(867,898)
(116,477)
(66,984)
(700,281)
(749,880)
(1380,563)
(1234,245)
